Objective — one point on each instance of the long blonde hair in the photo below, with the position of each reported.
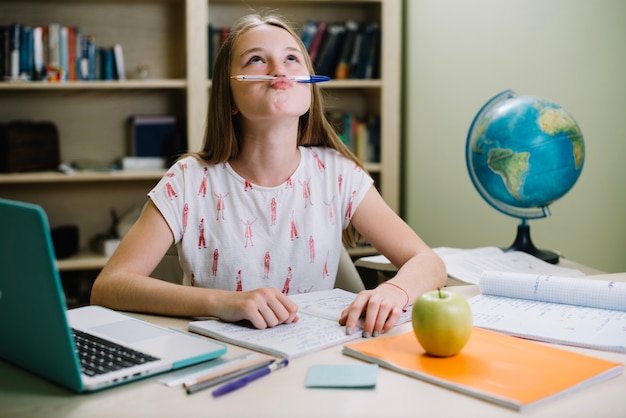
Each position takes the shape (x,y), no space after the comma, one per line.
(222,139)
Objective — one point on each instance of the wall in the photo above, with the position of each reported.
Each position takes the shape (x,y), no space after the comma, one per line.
(460,53)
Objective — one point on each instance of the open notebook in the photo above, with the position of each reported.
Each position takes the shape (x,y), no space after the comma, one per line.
(37,331)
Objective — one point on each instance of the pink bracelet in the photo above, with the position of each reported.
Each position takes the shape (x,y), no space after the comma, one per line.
(403,291)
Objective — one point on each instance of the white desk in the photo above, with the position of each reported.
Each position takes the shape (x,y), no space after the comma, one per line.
(282,394)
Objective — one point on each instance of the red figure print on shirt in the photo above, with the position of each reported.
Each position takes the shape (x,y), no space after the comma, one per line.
(287,281)
(201,239)
(325,269)
(293,231)
(239,282)
(170,175)
(247,186)
(339,182)
(202,189)
(216,258)
(306,192)
(331,214)
(289,183)
(248,232)
(170,190)
(320,165)
(220,206)
(185,216)
(349,210)
(273,210)
(311,249)
(266,265)
(193,279)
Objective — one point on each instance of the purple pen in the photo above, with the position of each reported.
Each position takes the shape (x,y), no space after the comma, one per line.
(243,381)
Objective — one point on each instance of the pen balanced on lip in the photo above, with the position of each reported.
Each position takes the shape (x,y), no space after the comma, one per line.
(298,78)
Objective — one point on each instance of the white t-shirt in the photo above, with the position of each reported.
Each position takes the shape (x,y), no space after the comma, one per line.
(235,235)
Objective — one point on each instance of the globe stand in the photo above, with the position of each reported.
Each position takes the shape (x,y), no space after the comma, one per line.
(524,243)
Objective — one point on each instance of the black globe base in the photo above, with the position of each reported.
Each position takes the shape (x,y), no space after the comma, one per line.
(524,243)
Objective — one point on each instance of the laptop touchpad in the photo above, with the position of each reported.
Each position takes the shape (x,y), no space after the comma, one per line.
(130,331)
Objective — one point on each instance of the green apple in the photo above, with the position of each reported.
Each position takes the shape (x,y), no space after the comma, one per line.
(442,322)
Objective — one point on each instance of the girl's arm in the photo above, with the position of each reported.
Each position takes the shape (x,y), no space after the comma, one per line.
(420,269)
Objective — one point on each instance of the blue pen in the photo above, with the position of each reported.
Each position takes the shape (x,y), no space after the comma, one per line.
(239,383)
(298,78)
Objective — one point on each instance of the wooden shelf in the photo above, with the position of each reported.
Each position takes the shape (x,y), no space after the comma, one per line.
(80,176)
(85,260)
(150,84)
(170,37)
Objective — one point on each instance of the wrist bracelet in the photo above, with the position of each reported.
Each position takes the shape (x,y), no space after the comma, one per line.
(403,291)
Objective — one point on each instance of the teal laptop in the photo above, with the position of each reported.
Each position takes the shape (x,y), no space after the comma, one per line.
(40,335)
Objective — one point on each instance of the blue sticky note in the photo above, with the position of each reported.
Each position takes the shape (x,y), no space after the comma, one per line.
(342,376)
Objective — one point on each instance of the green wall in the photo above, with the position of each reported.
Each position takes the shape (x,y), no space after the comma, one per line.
(460,53)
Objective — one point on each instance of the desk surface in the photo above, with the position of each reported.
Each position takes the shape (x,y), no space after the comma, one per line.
(282,394)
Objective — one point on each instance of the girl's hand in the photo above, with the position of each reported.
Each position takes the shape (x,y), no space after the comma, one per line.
(381,307)
(264,307)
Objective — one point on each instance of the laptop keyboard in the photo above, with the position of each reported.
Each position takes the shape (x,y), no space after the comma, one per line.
(98,356)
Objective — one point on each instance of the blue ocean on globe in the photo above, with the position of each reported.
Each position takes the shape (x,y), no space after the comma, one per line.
(523,153)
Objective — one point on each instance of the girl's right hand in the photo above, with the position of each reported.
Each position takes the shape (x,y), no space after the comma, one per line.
(264,308)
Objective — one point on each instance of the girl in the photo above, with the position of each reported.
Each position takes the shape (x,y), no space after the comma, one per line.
(260,211)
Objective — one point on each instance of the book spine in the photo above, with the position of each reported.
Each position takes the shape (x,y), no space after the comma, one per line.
(326,61)
(71,53)
(91,57)
(118,58)
(343,64)
(316,43)
(4,52)
(309,29)
(53,52)
(63,53)
(108,63)
(38,62)
(14,51)
(26,53)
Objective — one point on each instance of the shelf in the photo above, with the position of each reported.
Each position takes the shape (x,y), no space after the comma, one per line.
(149,84)
(82,176)
(82,261)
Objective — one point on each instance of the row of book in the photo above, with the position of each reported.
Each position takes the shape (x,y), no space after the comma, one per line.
(343,50)
(360,134)
(56,52)
(340,50)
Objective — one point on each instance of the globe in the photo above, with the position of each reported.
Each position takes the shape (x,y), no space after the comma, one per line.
(523,153)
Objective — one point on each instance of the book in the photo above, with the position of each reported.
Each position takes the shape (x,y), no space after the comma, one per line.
(343,64)
(317,327)
(468,265)
(26,53)
(317,40)
(14,51)
(326,60)
(309,28)
(512,372)
(120,67)
(153,136)
(583,312)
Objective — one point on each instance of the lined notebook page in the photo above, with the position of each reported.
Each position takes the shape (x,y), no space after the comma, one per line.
(577,291)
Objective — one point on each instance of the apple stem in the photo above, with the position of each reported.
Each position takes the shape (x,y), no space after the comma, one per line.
(439,290)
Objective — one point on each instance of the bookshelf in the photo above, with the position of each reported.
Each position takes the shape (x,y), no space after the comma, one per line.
(170,37)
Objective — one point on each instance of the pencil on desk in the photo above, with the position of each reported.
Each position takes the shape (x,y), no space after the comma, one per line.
(207,383)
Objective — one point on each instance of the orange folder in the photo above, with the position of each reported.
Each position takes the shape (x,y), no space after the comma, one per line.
(509,371)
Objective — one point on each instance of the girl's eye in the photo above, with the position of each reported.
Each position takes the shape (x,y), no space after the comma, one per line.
(255,59)
(291,58)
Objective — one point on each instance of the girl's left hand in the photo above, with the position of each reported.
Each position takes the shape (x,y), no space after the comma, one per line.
(381,307)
